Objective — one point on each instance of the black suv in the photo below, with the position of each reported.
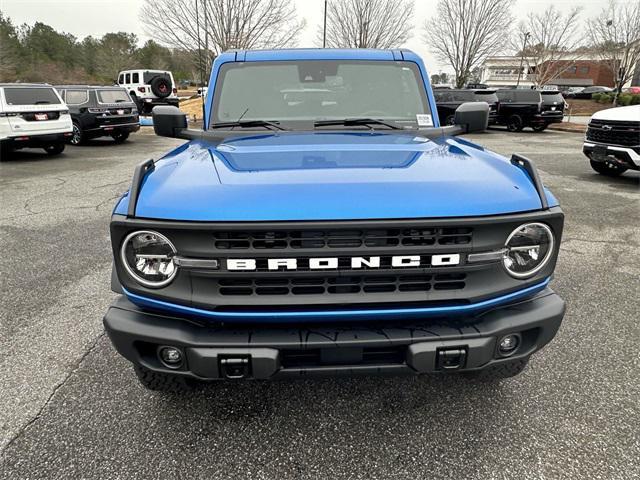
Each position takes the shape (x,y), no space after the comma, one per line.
(447,101)
(100,112)
(529,108)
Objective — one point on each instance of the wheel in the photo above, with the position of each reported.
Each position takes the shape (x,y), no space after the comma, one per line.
(120,137)
(514,123)
(499,371)
(609,169)
(539,128)
(4,151)
(160,86)
(54,149)
(78,135)
(450,120)
(163,382)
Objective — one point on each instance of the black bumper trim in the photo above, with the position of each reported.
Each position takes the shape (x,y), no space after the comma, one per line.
(37,140)
(135,333)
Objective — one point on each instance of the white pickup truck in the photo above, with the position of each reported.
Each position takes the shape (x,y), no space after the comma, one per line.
(612,142)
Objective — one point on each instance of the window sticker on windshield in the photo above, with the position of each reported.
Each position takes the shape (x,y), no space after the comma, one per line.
(424,120)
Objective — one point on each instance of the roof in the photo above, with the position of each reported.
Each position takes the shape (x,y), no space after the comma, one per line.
(319,54)
(19,84)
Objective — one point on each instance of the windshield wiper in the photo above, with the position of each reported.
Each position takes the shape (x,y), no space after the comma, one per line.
(356,121)
(42,102)
(249,124)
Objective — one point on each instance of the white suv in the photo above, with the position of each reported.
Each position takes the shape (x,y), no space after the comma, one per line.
(149,88)
(33,115)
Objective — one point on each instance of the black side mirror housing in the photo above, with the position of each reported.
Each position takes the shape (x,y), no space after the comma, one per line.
(473,116)
(169,121)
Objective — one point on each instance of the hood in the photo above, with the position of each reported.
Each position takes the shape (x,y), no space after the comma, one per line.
(620,114)
(332,176)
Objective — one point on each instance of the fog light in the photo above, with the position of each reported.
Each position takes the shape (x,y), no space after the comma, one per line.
(170,357)
(508,344)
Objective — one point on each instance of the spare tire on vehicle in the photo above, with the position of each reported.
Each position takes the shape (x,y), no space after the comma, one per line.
(161,86)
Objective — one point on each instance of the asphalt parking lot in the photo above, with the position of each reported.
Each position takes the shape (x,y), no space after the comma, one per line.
(72,407)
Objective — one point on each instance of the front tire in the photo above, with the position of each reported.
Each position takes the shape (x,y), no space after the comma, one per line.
(54,149)
(514,123)
(608,168)
(163,382)
(499,371)
(120,137)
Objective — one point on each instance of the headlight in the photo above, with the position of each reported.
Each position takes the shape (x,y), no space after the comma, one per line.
(148,258)
(528,249)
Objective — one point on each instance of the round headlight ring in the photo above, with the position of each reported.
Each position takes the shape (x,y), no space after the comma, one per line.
(131,271)
(542,263)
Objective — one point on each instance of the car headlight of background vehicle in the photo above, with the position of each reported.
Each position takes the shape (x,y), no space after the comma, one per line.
(149,258)
(528,249)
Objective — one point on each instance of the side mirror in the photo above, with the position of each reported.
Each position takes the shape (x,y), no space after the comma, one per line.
(473,116)
(169,121)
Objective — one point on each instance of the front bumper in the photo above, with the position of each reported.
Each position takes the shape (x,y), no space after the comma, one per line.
(629,156)
(270,351)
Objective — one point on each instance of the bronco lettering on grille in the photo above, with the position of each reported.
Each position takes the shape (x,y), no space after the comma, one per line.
(331,263)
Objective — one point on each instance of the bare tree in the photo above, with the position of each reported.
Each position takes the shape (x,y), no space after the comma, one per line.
(615,38)
(463,33)
(368,23)
(552,35)
(221,24)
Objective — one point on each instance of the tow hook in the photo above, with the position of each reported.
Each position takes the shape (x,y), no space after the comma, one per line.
(234,367)
(451,358)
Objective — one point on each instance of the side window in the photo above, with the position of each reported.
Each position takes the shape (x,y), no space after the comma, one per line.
(136,78)
(77,97)
(127,78)
(121,79)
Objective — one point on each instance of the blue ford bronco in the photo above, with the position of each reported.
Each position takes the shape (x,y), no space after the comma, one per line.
(323,223)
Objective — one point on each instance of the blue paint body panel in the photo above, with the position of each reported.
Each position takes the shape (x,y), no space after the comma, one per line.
(332,176)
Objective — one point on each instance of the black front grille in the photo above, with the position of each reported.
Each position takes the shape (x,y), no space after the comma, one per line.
(614,132)
(330,285)
(337,239)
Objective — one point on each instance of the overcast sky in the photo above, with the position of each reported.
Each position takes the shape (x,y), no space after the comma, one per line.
(97,17)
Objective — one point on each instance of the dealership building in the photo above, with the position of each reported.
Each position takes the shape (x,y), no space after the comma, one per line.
(502,71)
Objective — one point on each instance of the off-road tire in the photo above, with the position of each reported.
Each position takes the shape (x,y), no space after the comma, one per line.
(163,382)
(514,123)
(120,137)
(160,86)
(608,168)
(54,149)
(499,371)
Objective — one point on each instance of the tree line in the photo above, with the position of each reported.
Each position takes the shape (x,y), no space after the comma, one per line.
(188,34)
(38,53)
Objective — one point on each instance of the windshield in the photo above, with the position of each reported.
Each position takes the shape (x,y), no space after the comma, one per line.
(112,96)
(308,91)
(30,96)
(453,96)
(551,97)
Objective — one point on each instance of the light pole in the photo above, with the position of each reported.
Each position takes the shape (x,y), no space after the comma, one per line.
(524,47)
(324,31)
